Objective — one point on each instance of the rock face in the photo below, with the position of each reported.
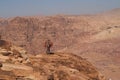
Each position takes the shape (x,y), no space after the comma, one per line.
(57,66)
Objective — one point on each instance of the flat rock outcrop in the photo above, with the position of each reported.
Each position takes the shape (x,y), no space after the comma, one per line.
(57,66)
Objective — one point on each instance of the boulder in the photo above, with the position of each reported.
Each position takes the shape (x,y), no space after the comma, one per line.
(6,53)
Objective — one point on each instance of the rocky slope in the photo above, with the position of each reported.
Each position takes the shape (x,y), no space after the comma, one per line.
(57,66)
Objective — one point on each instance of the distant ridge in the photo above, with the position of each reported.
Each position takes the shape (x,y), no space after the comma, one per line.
(115,11)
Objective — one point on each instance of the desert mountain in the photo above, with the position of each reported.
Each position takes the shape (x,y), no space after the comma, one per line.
(16,64)
(113,12)
(94,37)
(63,30)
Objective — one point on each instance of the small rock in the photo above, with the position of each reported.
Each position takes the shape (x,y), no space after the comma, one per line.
(1,65)
(51,77)
(6,53)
